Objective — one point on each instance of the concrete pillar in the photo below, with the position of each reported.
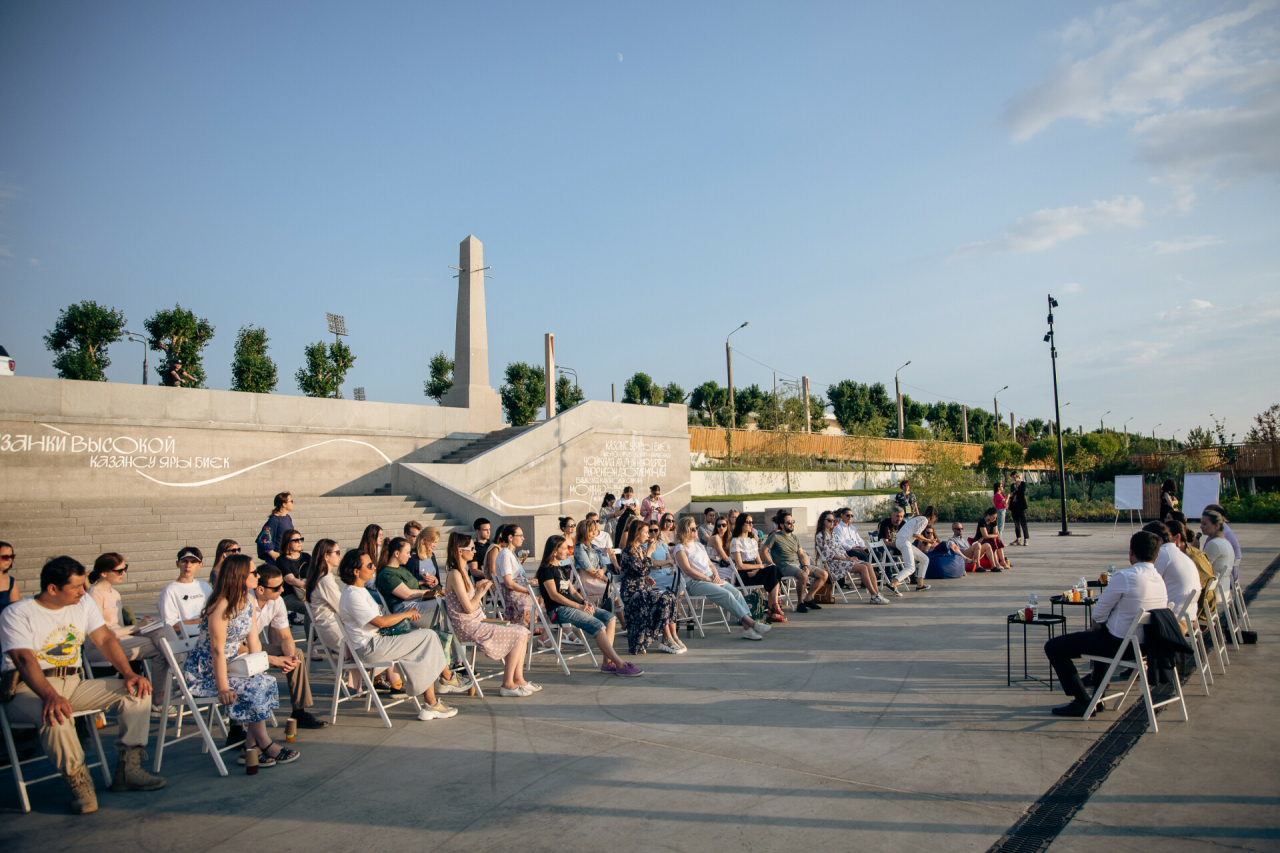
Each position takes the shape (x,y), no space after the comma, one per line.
(550,347)
(1013,429)
(964,423)
(471,389)
(808,426)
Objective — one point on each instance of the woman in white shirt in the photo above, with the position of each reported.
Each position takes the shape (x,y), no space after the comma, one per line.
(703,581)
(419,654)
(754,566)
(108,570)
(508,573)
(1216,547)
(324,593)
(911,532)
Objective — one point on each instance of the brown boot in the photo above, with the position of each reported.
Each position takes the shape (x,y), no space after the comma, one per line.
(129,773)
(83,798)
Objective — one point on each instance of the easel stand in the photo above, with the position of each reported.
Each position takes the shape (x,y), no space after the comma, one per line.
(1131,512)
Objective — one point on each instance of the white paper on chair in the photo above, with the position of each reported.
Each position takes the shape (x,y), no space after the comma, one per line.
(1198,491)
(1129,492)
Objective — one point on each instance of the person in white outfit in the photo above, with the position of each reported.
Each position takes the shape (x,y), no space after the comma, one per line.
(914,561)
(1178,570)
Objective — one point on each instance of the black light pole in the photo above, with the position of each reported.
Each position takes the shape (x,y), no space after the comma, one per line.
(1057,415)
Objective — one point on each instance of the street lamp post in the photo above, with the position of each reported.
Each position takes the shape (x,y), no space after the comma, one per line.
(1057,414)
(728,360)
(898,391)
(1153,432)
(136,338)
(995,400)
(1126,432)
(1101,428)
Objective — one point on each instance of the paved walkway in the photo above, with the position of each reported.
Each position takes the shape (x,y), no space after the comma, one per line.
(859,727)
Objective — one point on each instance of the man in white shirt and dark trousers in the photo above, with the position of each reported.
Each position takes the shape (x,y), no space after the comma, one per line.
(847,537)
(1130,592)
(42,638)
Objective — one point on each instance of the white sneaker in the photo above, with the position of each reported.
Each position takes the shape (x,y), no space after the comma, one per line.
(671,650)
(453,685)
(438,711)
(518,693)
(879,599)
(763,628)
(895,590)
(749,634)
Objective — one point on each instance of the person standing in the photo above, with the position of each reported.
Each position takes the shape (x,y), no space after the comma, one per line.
(906,500)
(42,638)
(273,531)
(1018,509)
(1168,498)
(652,507)
(1001,503)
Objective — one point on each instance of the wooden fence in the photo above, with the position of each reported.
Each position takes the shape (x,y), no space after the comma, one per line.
(885,451)
(1256,460)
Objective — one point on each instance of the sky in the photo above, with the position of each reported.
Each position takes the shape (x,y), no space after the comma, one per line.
(865,184)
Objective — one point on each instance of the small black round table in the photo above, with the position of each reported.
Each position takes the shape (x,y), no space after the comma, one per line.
(1061,601)
(1052,623)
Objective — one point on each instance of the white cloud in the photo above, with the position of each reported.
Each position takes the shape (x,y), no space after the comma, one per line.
(1046,228)
(1203,92)
(1184,244)
(1200,304)
(1071,287)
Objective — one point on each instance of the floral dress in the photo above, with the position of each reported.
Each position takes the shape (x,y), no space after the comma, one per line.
(647,607)
(256,696)
(518,606)
(496,641)
(834,558)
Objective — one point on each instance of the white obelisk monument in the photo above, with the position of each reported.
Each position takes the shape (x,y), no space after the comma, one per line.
(471,389)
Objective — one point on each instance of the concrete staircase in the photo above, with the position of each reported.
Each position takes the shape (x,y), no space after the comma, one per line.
(149,532)
(467,452)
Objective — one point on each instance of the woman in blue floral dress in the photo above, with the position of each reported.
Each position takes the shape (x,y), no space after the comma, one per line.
(228,621)
(650,610)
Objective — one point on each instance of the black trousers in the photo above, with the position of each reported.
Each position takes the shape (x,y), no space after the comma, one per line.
(768,577)
(1063,650)
(1019,524)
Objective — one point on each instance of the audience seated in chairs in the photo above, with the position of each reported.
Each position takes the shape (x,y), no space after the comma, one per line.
(718,548)
(1129,593)
(281,651)
(841,561)
(566,607)
(420,656)
(783,547)
(505,643)
(42,638)
(985,532)
(1181,578)
(847,538)
(226,548)
(588,561)
(108,570)
(228,622)
(505,569)
(183,600)
(650,611)
(887,529)
(1216,545)
(398,584)
(703,581)
(754,567)
(293,564)
(422,559)
(708,527)
(324,593)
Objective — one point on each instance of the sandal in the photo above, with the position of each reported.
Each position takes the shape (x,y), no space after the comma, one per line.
(284,756)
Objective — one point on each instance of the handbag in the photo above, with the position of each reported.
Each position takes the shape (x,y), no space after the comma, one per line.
(248,665)
(404,626)
(825,593)
(757,603)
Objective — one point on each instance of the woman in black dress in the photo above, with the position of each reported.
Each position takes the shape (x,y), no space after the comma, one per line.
(650,610)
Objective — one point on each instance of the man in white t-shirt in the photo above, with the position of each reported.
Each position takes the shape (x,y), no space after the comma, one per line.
(281,651)
(1130,593)
(847,536)
(42,638)
(183,600)
(1181,578)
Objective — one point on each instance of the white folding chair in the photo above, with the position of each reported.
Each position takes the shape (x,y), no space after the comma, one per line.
(886,563)
(175,653)
(1237,597)
(342,693)
(835,584)
(16,765)
(691,609)
(1226,607)
(555,637)
(1139,664)
(1216,635)
(1196,637)
(364,667)
(460,649)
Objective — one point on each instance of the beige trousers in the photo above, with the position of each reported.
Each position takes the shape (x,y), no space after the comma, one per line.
(60,742)
(299,683)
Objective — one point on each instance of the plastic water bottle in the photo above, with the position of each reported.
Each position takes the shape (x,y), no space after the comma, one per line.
(1034,604)
(1111,570)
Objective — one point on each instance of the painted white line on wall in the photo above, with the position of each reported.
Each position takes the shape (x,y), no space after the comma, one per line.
(268,462)
(55,429)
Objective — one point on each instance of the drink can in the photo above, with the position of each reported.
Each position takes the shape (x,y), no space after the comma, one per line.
(290,730)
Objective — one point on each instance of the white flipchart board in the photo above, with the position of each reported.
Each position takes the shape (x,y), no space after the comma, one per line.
(1129,492)
(1198,491)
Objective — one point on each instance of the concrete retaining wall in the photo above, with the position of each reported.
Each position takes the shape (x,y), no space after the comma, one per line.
(760,482)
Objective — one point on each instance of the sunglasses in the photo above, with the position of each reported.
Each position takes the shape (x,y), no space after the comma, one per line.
(7,556)
(254,572)
(721,526)
(122,569)
(295,539)
(334,551)
(276,588)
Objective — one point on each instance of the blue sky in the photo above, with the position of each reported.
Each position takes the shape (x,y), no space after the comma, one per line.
(864,184)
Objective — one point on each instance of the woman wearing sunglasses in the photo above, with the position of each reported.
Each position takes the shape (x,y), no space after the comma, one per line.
(108,570)
(9,594)
(718,549)
(225,549)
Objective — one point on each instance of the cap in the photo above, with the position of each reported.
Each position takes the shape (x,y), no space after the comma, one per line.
(190,551)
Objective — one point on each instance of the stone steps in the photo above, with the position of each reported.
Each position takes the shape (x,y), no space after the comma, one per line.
(150,532)
(470,451)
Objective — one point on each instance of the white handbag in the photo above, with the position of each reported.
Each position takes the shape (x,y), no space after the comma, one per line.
(248,664)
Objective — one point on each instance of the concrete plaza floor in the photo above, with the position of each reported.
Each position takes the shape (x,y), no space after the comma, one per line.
(857,727)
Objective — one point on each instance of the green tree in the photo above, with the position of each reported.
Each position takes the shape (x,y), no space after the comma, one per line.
(709,404)
(641,390)
(673,393)
(999,457)
(567,395)
(915,432)
(251,368)
(181,336)
(441,377)
(747,400)
(326,366)
(855,403)
(523,393)
(1266,426)
(80,339)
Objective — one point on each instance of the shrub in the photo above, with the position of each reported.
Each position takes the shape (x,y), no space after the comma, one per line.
(1264,508)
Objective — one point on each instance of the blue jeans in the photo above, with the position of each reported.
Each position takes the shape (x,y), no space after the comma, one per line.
(1000,522)
(724,595)
(592,625)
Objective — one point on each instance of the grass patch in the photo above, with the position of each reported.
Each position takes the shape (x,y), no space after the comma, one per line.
(784,496)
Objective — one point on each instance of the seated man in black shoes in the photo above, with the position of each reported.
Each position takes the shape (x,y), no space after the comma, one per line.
(1130,592)
(42,638)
